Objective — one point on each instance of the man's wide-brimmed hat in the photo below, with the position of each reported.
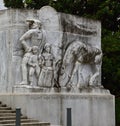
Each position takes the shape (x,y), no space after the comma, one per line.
(31,21)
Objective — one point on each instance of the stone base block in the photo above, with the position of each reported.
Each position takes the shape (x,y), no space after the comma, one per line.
(87,109)
(33,89)
(26,89)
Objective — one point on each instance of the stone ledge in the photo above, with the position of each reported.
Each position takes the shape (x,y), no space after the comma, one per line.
(82,90)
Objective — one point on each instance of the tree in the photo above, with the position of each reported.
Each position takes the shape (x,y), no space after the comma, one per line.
(69,6)
(107,11)
(14,3)
(36,4)
(111,62)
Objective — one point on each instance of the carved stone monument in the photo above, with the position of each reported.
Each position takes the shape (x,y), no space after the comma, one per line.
(67,65)
(50,62)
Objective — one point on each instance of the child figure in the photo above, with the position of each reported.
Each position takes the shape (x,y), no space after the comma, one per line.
(33,65)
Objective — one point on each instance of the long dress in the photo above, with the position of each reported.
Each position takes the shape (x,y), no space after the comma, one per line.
(46,75)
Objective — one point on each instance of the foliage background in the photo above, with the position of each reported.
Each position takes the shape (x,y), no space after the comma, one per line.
(107,11)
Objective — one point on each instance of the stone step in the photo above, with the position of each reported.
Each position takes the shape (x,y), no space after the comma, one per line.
(7,111)
(29,124)
(8,118)
(11,117)
(5,108)
(13,121)
(7,114)
(3,105)
(55,125)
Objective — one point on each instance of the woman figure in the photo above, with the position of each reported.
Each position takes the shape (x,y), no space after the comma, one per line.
(46,75)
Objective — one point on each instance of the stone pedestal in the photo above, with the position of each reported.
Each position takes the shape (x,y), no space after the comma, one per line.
(87,109)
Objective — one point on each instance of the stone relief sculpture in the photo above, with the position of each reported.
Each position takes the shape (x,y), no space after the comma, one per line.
(95,77)
(78,63)
(33,65)
(25,66)
(79,66)
(35,36)
(47,73)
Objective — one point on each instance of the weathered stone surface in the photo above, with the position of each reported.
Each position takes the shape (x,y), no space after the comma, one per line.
(75,55)
(70,60)
(12,26)
(50,19)
(87,109)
